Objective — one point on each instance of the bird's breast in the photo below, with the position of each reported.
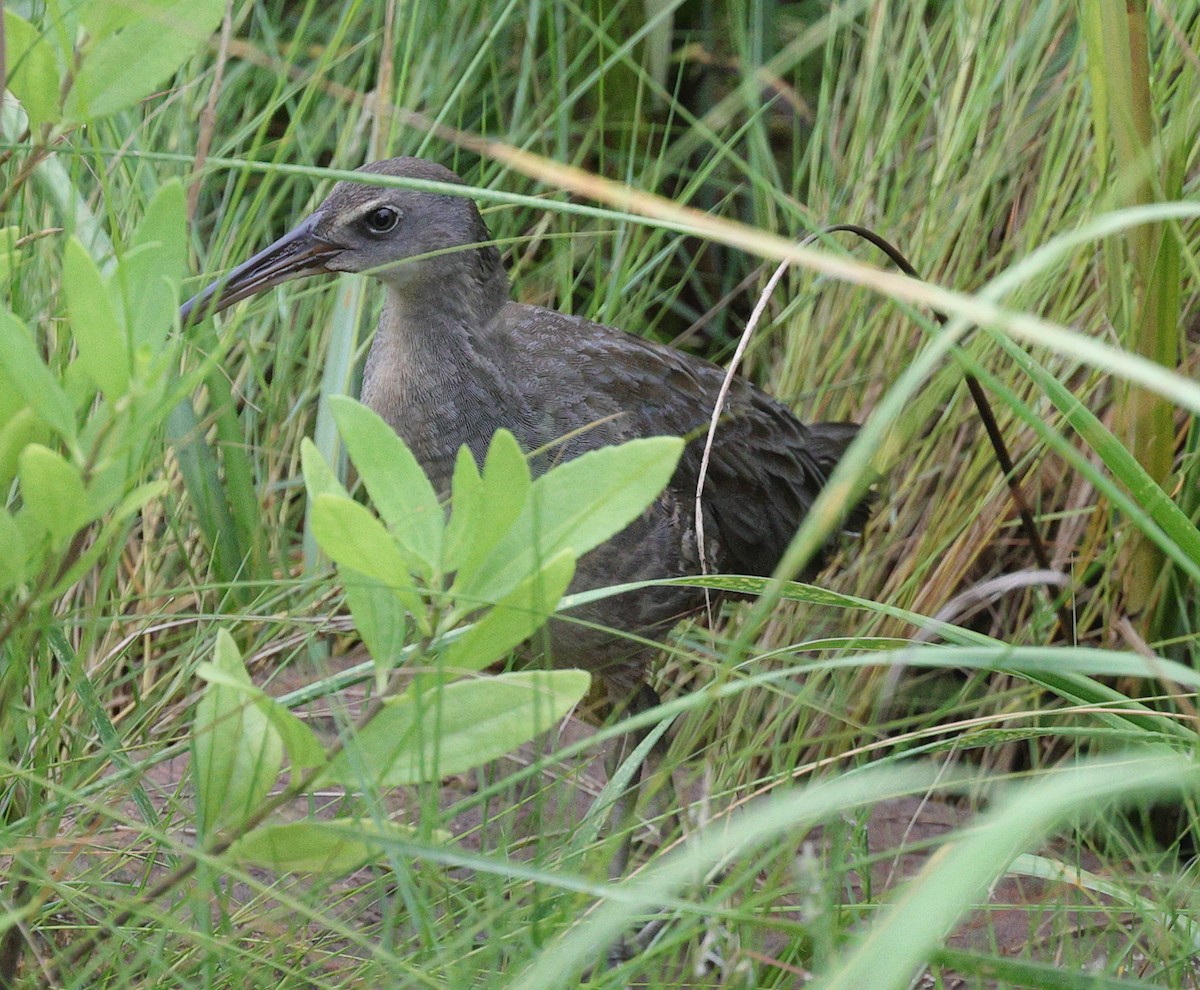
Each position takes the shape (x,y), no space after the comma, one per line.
(437,411)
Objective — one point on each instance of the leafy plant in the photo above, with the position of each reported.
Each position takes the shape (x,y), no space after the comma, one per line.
(503,559)
(78,439)
(103,55)
(410,562)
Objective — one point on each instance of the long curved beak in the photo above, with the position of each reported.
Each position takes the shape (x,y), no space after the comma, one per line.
(295,255)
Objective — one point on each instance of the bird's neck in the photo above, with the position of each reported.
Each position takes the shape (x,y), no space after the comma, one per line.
(436,371)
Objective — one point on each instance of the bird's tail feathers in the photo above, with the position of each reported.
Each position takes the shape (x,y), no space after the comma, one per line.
(828,442)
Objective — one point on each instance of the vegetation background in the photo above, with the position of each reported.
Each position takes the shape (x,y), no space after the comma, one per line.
(931,713)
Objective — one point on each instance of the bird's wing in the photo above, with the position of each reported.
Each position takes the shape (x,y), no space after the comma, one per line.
(765,469)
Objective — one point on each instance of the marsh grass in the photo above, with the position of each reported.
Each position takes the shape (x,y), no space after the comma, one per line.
(967,134)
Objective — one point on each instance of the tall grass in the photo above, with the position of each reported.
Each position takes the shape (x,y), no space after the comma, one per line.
(928,682)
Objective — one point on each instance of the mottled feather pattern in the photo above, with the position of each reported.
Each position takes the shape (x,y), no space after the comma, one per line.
(454,360)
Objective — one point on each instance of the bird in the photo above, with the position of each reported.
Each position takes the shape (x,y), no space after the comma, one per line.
(455,358)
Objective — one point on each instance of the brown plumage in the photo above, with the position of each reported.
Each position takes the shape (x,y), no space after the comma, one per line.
(454,359)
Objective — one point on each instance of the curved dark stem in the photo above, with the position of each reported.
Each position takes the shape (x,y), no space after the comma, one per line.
(986,414)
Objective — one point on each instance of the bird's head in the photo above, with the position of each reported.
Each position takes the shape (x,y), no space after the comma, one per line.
(405,237)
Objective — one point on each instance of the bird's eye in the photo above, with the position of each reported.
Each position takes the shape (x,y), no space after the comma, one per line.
(382,219)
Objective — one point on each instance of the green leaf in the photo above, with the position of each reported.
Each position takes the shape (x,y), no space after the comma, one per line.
(336,846)
(9,258)
(136,500)
(22,429)
(319,478)
(33,72)
(133,56)
(303,748)
(576,506)
(103,349)
(423,735)
(12,552)
(466,501)
(31,378)
(488,506)
(514,619)
(236,752)
(583,502)
(9,250)
(53,493)
(379,616)
(354,538)
(151,274)
(395,481)
(104,17)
